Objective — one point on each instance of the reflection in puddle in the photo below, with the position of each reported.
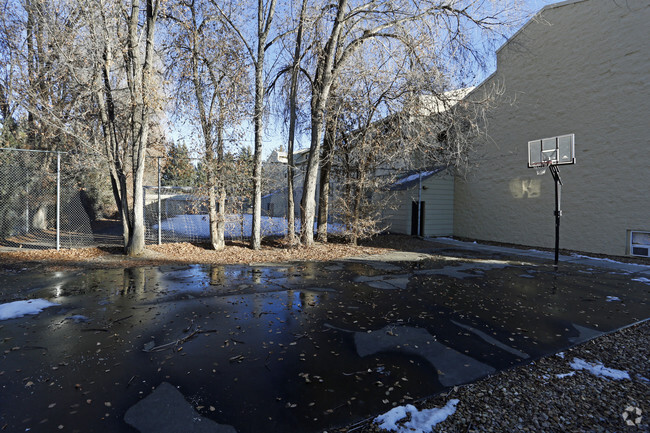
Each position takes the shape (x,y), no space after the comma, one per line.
(453,367)
(493,341)
(584,334)
(298,347)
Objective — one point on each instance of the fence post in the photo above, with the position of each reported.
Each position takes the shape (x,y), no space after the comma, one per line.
(58,201)
(27,211)
(159,207)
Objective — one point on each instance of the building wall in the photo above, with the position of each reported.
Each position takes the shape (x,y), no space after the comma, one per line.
(438,196)
(579,67)
(275,204)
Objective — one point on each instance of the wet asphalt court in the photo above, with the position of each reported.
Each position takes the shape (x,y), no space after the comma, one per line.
(287,348)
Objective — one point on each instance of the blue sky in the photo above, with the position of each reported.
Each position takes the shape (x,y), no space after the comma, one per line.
(275,134)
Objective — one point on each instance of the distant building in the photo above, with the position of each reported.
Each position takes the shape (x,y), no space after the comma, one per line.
(421,202)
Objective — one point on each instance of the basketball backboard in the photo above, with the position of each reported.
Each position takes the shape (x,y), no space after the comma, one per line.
(558,150)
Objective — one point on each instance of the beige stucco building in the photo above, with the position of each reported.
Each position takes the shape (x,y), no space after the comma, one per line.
(581,67)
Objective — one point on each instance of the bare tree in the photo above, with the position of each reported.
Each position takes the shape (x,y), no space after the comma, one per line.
(41,103)
(396,122)
(257,52)
(10,29)
(329,147)
(444,25)
(205,51)
(83,74)
(293,108)
(368,150)
(122,30)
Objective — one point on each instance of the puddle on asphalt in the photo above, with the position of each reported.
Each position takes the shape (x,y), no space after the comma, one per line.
(299,347)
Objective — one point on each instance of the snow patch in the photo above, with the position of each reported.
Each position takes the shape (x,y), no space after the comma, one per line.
(599,369)
(642,280)
(421,421)
(13,310)
(602,259)
(613,299)
(236,226)
(562,376)
(413,177)
(643,378)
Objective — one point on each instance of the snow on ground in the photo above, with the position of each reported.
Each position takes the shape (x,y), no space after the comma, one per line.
(642,280)
(421,421)
(236,226)
(603,259)
(613,299)
(13,310)
(599,369)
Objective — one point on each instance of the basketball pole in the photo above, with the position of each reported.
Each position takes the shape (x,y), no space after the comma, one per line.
(555,172)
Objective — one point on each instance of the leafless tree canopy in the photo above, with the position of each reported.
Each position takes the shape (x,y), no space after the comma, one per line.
(376,86)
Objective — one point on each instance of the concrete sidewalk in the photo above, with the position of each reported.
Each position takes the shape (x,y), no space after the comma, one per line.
(596,262)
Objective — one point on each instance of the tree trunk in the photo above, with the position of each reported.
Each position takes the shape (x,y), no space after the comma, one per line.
(212,210)
(291,206)
(263,27)
(118,183)
(137,242)
(356,210)
(323,80)
(265,15)
(205,118)
(256,235)
(142,71)
(308,203)
(221,217)
(293,96)
(111,149)
(217,216)
(325,170)
(323,203)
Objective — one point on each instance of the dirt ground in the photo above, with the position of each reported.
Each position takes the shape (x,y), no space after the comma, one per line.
(273,250)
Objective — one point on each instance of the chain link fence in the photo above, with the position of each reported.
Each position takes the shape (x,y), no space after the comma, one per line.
(180,214)
(42,206)
(176,210)
(47,201)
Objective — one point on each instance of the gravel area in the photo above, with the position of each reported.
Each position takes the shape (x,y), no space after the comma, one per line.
(542,397)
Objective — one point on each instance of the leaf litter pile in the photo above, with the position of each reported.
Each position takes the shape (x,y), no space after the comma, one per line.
(236,252)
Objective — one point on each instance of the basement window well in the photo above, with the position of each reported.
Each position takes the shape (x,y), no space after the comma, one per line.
(640,243)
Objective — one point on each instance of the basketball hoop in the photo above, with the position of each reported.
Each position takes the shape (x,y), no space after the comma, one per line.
(541,168)
(550,153)
(546,152)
